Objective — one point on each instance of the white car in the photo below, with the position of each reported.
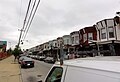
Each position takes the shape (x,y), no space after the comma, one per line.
(96,69)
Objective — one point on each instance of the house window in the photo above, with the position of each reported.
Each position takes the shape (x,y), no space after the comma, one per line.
(76,39)
(111,32)
(67,41)
(90,36)
(58,44)
(84,37)
(103,33)
(72,40)
(55,45)
(45,46)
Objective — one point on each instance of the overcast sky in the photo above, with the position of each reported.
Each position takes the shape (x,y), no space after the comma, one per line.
(54,18)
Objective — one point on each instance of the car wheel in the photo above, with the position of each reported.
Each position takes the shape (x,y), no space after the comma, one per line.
(23,66)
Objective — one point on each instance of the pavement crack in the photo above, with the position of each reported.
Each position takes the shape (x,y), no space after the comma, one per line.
(10,75)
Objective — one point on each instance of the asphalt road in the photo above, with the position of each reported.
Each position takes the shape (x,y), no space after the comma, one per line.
(36,73)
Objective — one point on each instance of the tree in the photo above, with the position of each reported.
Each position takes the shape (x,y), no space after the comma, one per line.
(17,51)
(9,51)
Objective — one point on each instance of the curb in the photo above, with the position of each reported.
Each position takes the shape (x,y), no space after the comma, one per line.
(21,80)
(4,58)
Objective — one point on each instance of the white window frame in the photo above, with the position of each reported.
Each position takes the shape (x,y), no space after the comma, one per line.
(109,30)
(104,32)
(84,37)
(90,35)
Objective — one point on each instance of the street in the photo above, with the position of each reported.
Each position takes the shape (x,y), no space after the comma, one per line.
(36,73)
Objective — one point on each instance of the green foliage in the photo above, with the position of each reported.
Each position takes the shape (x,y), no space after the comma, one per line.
(17,51)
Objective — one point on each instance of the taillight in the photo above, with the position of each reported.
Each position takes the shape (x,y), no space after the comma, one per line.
(33,61)
(23,62)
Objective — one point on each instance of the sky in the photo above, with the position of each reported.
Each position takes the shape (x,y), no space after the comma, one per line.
(54,18)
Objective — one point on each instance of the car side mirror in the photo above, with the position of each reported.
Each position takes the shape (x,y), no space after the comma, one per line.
(40,81)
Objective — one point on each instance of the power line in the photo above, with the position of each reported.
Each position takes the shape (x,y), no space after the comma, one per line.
(26,14)
(31,19)
(24,23)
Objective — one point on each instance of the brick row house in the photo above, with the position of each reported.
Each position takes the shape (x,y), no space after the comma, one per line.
(87,37)
(103,37)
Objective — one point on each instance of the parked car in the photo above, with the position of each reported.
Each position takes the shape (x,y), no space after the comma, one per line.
(26,62)
(49,60)
(94,69)
(41,58)
(35,57)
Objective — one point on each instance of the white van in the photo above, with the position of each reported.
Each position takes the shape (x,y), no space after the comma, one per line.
(97,69)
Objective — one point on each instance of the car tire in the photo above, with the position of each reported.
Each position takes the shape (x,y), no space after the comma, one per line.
(22,66)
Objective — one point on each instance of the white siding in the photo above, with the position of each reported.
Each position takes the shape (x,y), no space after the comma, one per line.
(50,44)
(103,23)
(109,24)
(97,33)
(76,40)
(67,40)
(118,32)
(106,24)
(54,43)
(59,41)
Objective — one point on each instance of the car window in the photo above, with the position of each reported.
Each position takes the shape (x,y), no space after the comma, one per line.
(55,75)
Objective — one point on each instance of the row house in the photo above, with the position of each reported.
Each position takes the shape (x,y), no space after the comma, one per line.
(87,35)
(50,48)
(75,41)
(50,44)
(30,50)
(67,42)
(108,35)
(33,50)
(40,47)
(103,36)
(37,50)
(46,48)
(54,44)
(59,43)
(54,48)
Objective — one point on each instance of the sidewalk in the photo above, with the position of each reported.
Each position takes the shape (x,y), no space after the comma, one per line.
(9,70)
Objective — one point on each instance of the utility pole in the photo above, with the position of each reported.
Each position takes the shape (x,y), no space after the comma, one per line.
(24,23)
(20,37)
(61,53)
